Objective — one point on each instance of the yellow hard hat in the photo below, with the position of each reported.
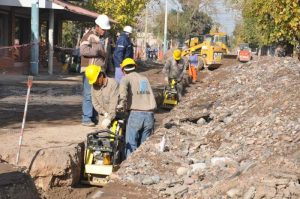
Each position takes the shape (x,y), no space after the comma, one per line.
(127,62)
(92,73)
(177,54)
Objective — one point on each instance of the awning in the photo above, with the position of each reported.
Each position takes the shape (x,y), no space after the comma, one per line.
(76,9)
(53,4)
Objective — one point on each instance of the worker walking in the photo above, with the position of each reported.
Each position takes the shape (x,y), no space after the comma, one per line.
(92,51)
(136,96)
(105,93)
(193,66)
(175,69)
(123,50)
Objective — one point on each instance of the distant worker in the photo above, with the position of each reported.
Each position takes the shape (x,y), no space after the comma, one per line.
(123,50)
(105,93)
(92,51)
(175,68)
(194,66)
(136,96)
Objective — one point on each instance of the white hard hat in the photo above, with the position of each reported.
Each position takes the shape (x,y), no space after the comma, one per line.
(103,22)
(128,29)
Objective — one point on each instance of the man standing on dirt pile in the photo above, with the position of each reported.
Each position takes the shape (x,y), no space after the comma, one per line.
(105,93)
(136,96)
(175,69)
(92,51)
(123,50)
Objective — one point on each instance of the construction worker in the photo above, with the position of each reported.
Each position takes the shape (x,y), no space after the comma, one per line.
(92,51)
(105,92)
(175,69)
(123,50)
(137,97)
(193,66)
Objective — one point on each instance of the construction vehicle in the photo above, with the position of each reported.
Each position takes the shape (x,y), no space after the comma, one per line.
(210,54)
(170,95)
(244,53)
(103,154)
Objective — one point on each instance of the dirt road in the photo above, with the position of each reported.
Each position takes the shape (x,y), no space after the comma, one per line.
(53,121)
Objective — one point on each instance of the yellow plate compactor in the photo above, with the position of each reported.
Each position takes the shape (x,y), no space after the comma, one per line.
(103,154)
(170,95)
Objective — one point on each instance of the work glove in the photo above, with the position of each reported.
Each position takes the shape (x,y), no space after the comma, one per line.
(120,108)
(105,123)
(105,115)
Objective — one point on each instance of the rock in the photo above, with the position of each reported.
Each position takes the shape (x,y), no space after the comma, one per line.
(201,121)
(221,161)
(189,181)
(234,192)
(198,166)
(177,192)
(57,166)
(227,120)
(250,193)
(182,171)
(180,190)
(151,180)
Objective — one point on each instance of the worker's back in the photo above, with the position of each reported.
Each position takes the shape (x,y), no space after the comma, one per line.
(139,92)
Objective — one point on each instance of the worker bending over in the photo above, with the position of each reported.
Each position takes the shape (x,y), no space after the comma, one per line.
(175,69)
(105,92)
(137,97)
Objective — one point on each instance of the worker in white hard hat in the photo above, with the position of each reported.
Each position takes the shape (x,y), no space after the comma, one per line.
(92,51)
(123,50)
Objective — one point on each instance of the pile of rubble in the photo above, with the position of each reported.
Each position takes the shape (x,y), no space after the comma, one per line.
(234,135)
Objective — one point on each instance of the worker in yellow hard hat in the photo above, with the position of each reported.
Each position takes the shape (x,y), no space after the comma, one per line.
(136,96)
(105,92)
(175,69)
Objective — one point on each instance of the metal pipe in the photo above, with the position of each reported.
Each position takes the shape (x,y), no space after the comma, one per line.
(35,37)
(50,41)
(166,28)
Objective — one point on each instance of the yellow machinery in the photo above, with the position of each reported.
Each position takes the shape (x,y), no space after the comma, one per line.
(210,53)
(221,39)
(103,154)
(170,94)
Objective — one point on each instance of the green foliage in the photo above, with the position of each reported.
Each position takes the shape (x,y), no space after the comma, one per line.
(271,21)
(122,11)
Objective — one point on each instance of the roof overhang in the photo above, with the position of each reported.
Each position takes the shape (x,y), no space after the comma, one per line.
(51,4)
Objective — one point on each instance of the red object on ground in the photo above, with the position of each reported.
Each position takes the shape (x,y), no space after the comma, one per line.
(244,56)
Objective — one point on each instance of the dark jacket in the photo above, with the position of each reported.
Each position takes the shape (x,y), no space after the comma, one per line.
(123,50)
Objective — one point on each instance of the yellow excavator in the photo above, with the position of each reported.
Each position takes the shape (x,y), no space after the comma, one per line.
(209,52)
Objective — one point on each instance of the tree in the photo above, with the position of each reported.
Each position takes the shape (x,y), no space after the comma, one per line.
(271,21)
(122,11)
(183,24)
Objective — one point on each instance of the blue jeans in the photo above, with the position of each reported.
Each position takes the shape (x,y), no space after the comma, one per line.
(139,127)
(88,112)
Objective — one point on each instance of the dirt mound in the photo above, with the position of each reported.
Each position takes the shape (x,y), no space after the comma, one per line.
(15,184)
(235,135)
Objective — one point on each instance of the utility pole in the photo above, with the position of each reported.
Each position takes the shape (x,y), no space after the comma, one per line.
(165,28)
(34,37)
(146,30)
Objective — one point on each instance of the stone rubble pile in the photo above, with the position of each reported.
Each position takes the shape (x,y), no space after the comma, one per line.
(234,135)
